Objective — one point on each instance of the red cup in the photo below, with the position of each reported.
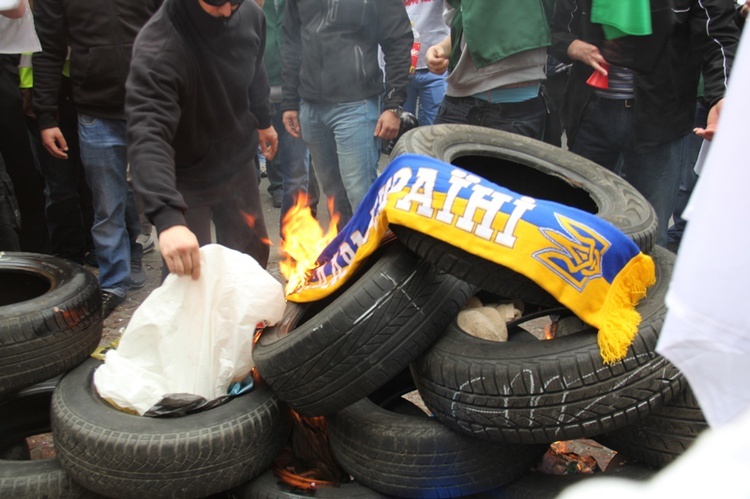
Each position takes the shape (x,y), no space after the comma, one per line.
(598,80)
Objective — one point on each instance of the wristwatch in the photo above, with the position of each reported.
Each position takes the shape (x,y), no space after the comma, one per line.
(398,111)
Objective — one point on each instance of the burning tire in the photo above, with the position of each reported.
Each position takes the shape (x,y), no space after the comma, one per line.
(122,455)
(393,447)
(664,435)
(325,355)
(530,391)
(50,318)
(531,168)
(23,414)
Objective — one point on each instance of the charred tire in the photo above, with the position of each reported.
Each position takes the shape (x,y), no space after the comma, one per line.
(406,453)
(50,318)
(23,414)
(531,168)
(325,355)
(663,436)
(122,455)
(268,486)
(544,391)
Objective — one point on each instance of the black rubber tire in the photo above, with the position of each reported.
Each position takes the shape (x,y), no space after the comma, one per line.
(531,168)
(544,391)
(395,452)
(50,318)
(23,414)
(267,486)
(327,354)
(660,438)
(122,455)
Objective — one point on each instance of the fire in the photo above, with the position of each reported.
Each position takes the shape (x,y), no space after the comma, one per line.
(303,239)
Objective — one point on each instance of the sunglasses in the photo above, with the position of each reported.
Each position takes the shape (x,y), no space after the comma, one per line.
(219,3)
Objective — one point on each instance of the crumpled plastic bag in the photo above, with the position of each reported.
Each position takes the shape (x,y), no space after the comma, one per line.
(192,336)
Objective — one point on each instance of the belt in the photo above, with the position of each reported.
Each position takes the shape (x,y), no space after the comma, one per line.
(627,103)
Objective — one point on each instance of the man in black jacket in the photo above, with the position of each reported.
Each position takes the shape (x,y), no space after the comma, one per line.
(333,94)
(100,35)
(198,103)
(637,124)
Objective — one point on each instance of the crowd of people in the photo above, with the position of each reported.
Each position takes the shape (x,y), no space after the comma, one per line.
(164,106)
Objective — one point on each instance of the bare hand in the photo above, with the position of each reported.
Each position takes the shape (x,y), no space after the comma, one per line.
(712,122)
(54,141)
(179,248)
(588,54)
(388,125)
(437,59)
(269,142)
(291,123)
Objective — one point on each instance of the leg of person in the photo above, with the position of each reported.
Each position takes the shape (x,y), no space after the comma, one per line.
(238,218)
(133,225)
(102,143)
(356,145)
(431,91)
(412,92)
(321,142)
(275,167)
(605,130)
(688,178)
(10,215)
(454,110)
(294,166)
(655,173)
(525,118)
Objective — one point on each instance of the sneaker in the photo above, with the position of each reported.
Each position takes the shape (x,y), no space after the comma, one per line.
(137,274)
(110,301)
(276,198)
(147,242)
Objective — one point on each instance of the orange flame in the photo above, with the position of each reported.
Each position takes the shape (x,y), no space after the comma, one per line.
(250,221)
(303,239)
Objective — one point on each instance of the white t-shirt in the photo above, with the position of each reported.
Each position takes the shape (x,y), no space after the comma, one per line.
(18,35)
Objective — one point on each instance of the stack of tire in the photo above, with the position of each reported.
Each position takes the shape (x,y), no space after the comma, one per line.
(492,408)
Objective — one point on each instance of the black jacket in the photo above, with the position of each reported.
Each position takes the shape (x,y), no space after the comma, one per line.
(196,95)
(331,51)
(695,34)
(100,34)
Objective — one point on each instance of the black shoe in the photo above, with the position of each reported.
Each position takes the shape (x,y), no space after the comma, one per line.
(137,274)
(276,198)
(90,258)
(110,301)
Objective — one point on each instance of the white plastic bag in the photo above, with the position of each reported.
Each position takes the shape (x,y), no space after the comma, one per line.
(192,336)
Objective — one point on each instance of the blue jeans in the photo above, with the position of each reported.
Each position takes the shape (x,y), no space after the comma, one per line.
(116,223)
(344,149)
(692,147)
(424,95)
(607,136)
(292,165)
(524,118)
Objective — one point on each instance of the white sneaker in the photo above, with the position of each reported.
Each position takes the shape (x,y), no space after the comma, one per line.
(147,242)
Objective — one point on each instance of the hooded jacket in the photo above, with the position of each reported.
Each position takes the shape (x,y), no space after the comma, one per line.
(100,35)
(331,51)
(196,95)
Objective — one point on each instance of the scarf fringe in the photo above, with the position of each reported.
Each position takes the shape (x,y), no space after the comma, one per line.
(618,319)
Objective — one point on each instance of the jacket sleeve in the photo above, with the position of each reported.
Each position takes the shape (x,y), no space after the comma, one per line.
(715,37)
(260,89)
(51,28)
(152,102)
(291,57)
(564,27)
(395,39)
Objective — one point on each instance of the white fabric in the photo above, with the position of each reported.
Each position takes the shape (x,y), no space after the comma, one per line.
(192,336)
(714,466)
(707,329)
(18,35)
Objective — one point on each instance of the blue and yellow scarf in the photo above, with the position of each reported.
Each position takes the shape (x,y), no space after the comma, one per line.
(589,265)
